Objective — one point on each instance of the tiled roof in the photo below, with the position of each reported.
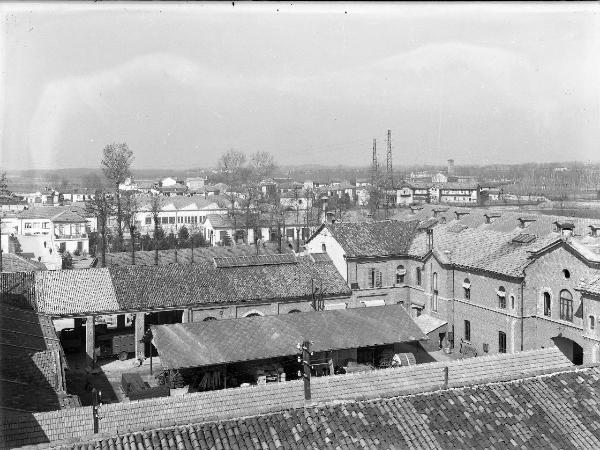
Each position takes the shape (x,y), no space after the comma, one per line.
(388,237)
(251,338)
(16,263)
(551,411)
(125,288)
(29,360)
(184,255)
(220,221)
(255,260)
(194,202)
(591,286)
(75,291)
(69,217)
(49,212)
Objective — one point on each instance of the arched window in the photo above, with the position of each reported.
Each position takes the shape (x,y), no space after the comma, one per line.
(400,273)
(592,322)
(418,276)
(323,248)
(293,311)
(253,314)
(512,302)
(501,293)
(208,319)
(547,305)
(467,288)
(566,273)
(434,292)
(566,305)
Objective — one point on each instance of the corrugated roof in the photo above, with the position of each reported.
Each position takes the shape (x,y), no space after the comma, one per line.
(227,341)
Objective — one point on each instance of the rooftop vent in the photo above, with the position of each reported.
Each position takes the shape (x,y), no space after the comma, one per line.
(491,217)
(460,214)
(595,230)
(524,222)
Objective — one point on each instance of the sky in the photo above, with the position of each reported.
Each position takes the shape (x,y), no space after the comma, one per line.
(183,83)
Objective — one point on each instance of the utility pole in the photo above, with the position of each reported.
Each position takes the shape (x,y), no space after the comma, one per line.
(389,178)
(304,359)
(1,250)
(131,233)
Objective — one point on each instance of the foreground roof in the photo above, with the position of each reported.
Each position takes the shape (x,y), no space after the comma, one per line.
(131,288)
(550,411)
(226,341)
(16,263)
(29,361)
(387,237)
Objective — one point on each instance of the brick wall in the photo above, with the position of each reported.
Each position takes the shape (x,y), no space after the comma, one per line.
(240,402)
(546,274)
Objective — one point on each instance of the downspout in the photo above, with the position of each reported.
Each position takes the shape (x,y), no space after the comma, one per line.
(522,310)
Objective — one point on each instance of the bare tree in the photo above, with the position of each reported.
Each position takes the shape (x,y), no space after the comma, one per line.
(156,205)
(102,206)
(130,209)
(116,165)
(232,165)
(4,192)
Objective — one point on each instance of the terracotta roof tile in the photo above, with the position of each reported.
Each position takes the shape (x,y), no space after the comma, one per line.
(529,413)
(389,237)
(124,288)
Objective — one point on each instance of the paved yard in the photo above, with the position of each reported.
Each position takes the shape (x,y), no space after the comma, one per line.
(107,378)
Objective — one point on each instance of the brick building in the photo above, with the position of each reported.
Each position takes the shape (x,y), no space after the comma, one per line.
(502,282)
(224,288)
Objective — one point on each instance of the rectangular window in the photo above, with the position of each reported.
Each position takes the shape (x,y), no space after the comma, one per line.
(171,219)
(434,300)
(27,224)
(566,309)
(45,225)
(164,220)
(375,278)
(148,220)
(501,302)
(467,330)
(502,342)
(467,293)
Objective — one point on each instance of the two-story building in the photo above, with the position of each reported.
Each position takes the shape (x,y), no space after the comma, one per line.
(500,286)
(459,193)
(177,212)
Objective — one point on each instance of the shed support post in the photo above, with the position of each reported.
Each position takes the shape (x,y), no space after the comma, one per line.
(140,346)
(90,342)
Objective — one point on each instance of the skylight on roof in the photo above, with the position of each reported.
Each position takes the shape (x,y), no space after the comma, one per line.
(524,238)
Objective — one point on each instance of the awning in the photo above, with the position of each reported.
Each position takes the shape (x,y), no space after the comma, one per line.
(228,341)
(501,293)
(331,306)
(429,323)
(467,285)
(369,303)
(401,271)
